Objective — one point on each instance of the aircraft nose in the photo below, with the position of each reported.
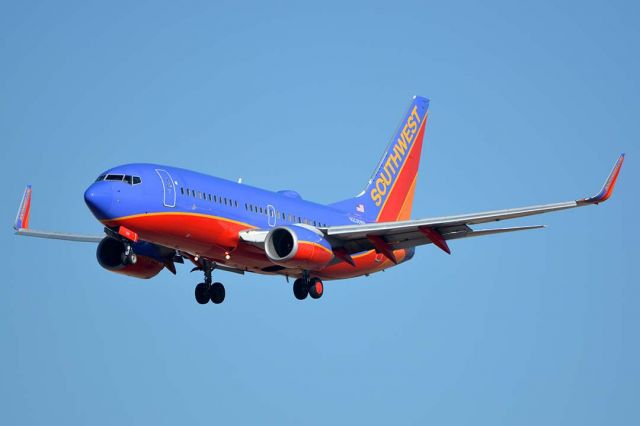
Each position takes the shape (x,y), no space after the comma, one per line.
(99,199)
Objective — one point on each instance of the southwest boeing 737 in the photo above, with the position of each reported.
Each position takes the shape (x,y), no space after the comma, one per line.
(155,216)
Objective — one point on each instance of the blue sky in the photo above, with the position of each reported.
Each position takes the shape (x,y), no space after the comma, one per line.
(530,103)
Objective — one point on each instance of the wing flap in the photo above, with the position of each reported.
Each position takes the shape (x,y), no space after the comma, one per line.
(392,228)
(415,239)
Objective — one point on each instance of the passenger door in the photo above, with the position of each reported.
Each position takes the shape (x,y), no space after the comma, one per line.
(169,188)
(271,215)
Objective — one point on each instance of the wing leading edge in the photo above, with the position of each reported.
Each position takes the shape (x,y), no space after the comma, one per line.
(411,233)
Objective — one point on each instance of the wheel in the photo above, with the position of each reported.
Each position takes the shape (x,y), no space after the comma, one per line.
(202,293)
(300,289)
(129,259)
(217,293)
(316,288)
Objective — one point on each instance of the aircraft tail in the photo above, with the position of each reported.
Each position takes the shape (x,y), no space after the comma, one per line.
(389,193)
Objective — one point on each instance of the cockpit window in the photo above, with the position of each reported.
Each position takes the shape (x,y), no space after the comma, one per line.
(131,180)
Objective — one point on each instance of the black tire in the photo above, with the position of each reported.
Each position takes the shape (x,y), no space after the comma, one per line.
(300,289)
(202,294)
(217,293)
(316,288)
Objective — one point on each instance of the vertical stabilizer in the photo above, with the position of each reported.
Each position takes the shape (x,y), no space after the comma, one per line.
(389,193)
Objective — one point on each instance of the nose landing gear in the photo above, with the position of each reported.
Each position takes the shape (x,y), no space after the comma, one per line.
(208,291)
(128,256)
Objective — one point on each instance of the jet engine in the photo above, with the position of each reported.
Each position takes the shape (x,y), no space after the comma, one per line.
(298,247)
(148,263)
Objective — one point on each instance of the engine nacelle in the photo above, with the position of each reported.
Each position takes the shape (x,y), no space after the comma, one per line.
(109,254)
(297,247)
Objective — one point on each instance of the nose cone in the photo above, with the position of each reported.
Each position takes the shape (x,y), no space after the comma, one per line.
(99,199)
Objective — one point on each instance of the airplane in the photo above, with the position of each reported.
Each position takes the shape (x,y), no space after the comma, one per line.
(155,216)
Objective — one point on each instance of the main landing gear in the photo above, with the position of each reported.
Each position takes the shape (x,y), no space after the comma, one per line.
(209,291)
(303,287)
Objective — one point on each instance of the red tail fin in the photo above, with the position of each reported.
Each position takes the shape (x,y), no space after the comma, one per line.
(389,193)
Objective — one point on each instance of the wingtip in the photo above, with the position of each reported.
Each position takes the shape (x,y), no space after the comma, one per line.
(609,185)
(24,211)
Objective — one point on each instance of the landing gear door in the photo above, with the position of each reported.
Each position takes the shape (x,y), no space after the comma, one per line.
(168,187)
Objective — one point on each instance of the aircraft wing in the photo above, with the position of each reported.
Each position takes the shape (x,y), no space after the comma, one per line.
(386,236)
(21,225)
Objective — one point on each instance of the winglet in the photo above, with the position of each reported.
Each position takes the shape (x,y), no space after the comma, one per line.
(22,218)
(609,184)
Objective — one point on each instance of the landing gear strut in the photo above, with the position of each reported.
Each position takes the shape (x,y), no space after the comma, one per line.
(128,256)
(209,291)
(303,287)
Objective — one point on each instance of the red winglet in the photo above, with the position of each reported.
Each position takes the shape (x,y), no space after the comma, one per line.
(610,183)
(22,218)
(435,237)
(382,247)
